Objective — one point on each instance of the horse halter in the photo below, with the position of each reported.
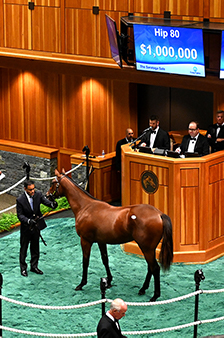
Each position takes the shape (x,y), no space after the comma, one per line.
(57,186)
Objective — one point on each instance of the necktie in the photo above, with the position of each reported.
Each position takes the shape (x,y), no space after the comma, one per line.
(153,131)
(117,324)
(193,139)
(31,202)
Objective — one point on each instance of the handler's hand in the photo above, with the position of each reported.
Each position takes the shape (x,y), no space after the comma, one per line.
(54,204)
(32,223)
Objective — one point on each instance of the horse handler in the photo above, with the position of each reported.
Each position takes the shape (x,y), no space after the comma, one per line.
(28,212)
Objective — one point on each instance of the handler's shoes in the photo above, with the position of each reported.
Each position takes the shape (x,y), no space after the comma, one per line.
(36,270)
(24,273)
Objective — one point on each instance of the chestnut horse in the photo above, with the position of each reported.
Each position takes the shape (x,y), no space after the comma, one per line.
(98,222)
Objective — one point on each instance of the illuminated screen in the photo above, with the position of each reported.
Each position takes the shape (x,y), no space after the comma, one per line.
(221,75)
(113,39)
(169,50)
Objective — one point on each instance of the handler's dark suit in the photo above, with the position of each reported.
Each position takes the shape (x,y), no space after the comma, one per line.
(216,146)
(24,213)
(201,145)
(162,140)
(107,328)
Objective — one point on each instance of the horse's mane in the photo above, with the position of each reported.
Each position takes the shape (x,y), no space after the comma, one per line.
(86,192)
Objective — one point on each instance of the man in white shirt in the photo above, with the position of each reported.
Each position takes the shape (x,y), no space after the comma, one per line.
(215,133)
(108,326)
(194,142)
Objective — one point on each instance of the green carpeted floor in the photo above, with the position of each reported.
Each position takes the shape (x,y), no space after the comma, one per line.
(61,262)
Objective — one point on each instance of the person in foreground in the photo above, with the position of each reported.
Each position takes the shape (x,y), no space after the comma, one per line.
(108,326)
(28,212)
(194,142)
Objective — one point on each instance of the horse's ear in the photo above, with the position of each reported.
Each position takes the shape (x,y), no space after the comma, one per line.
(56,172)
(63,171)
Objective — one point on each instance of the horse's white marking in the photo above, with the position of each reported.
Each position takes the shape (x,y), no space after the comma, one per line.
(133,217)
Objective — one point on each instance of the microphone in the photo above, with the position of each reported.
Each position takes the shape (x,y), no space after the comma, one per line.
(147,129)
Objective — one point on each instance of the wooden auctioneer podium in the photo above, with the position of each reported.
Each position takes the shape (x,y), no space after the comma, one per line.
(190,191)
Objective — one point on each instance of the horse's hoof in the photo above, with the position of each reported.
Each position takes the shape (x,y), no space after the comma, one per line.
(154,298)
(141,292)
(78,288)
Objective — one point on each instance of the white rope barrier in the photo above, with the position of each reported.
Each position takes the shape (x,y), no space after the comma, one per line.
(48,307)
(7,209)
(30,333)
(69,307)
(106,300)
(13,186)
(51,178)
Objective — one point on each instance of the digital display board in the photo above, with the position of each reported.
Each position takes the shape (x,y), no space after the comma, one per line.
(114,40)
(221,75)
(169,50)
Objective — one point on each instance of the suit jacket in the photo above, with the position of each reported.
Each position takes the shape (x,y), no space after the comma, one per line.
(212,141)
(162,140)
(118,153)
(201,146)
(25,212)
(107,328)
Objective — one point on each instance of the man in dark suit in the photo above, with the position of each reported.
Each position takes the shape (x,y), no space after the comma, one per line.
(108,326)
(28,212)
(215,133)
(194,142)
(156,137)
(127,139)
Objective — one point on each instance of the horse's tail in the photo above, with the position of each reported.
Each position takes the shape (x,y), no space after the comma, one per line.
(166,253)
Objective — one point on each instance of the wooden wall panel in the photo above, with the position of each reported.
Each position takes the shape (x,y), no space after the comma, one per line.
(11,105)
(16,31)
(215,204)
(189,182)
(52,3)
(80,29)
(15,2)
(93,113)
(177,7)
(46,29)
(216,8)
(81,4)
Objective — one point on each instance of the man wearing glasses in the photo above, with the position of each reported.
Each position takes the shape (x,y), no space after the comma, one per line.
(28,212)
(194,142)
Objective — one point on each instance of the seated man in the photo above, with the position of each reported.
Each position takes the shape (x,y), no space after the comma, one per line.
(156,137)
(215,133)
(125,140)
(194,142)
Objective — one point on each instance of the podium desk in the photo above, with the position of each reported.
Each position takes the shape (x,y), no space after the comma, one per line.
(104,182)
(190,191)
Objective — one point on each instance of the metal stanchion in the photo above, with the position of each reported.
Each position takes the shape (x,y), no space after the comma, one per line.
(1,282)
(198,277)
(87,151)
(103,287)
(27,167)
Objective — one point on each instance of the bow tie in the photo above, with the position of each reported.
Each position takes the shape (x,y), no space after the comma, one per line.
(153,132)
(193,139)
